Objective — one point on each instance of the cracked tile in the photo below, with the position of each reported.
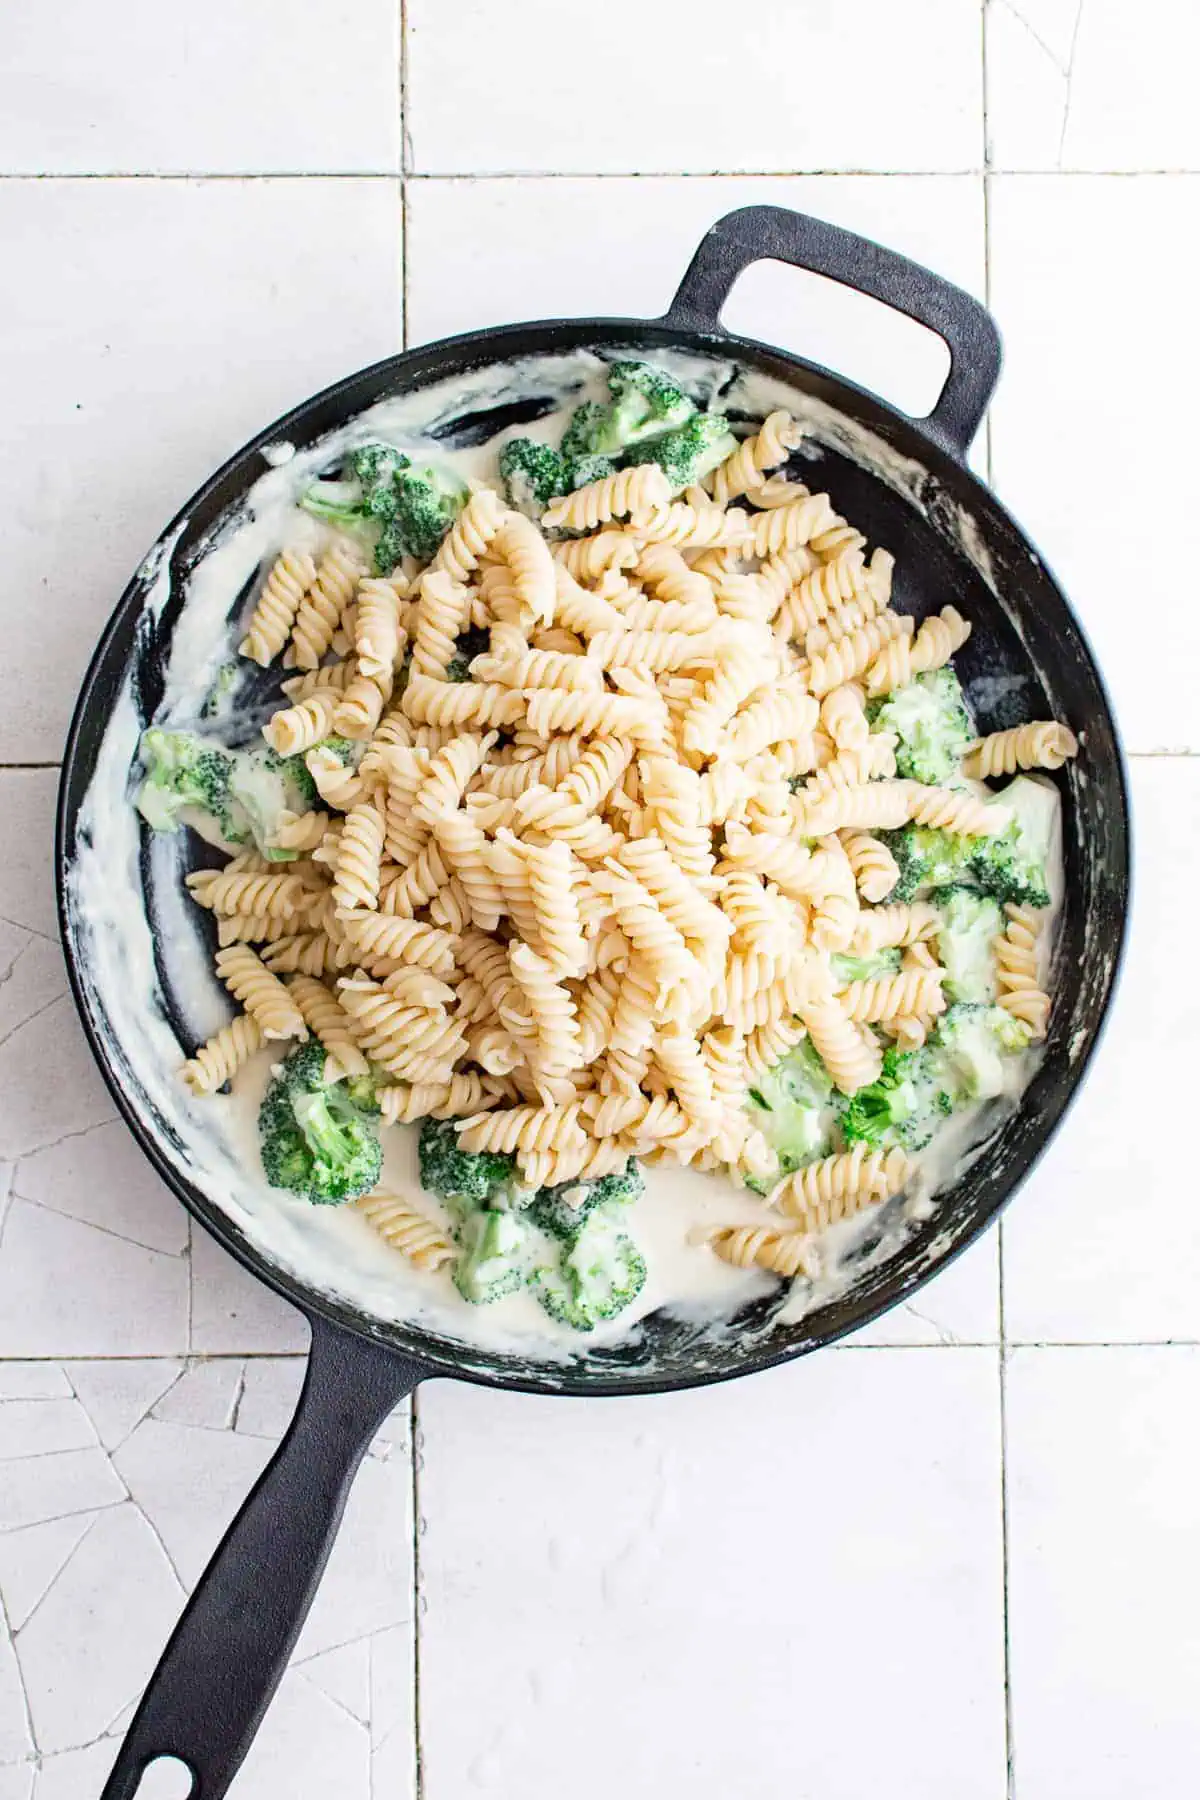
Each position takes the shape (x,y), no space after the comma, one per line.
(166,1467)
(32,981)
(31,1560)
(366,1588)
(33,1381)
(15,1740)
(308,1745)
(54,1487)
(128,1199)
(345,1676)
(959,1306)
(269,1394)
(50,1083)
(121,1300)
(72,1774)
(232,1312)
(90,1646)
(118,1394)
(1092,84)
(27,875)
(38,1427)
(206,1395)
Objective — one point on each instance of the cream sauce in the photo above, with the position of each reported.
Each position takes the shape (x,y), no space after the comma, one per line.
(213,1142)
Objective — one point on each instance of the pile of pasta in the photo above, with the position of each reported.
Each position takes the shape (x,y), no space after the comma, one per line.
(582,900)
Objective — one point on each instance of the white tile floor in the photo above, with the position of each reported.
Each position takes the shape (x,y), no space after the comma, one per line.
(955,1560)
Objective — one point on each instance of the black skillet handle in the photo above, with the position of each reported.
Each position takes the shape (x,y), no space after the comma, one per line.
(228,1652)
(757,233)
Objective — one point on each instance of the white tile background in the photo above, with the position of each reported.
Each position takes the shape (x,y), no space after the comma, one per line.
(955,1560)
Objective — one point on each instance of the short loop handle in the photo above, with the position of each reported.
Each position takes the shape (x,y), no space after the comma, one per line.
(757,233)
(228,1652)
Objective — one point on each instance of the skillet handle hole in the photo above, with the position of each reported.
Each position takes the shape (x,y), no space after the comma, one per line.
(166,1778)
(825,322)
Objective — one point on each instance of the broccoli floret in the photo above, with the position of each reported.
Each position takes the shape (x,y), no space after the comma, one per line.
(339,501)
(493,1256)
(345,749)
(794,1106)
(376,467)
(263,785)
(315,1140)
(905,1104)
(1012,866)
(969,924)
(691,452)
(601,1272)
(646,402)
(927,858)
(970,1042)
(532,474)
(184,771)
(562,1211)
(427,503)
(932,726)
(585,469)
(864,968)
(588,426)
(465,1177)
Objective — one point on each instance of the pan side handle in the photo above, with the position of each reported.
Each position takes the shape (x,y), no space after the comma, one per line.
(757,233)
(207,1697)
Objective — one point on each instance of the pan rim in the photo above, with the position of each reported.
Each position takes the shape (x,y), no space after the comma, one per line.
(442,1357)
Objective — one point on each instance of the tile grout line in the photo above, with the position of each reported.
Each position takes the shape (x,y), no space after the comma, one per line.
(184,175)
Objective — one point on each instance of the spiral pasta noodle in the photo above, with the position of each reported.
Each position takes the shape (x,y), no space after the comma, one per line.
(360,852)
(1020,992)
(746,467)
(262,994)
(934,644)
(322,1012)
(894,996)
(787,1253)
(320,611)
(408,1230)
(837,1186)
(1042,744)
(292,574)
(876,871)
(218,1061)
(302,725)
(635,492)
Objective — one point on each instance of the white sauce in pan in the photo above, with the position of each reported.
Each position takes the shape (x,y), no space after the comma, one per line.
(213,1142)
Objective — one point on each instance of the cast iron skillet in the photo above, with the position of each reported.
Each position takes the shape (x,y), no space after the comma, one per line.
(229,1650)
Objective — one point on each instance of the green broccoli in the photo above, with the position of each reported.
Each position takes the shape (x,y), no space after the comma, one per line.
(691,452)
(904,1105)
(969,924)
(427,503)
(794,1106)
(340,501)
(645,403)
(932,726)
(263,785)
(600,1273)
(218,694)
(532,474)
(587,427)
(561,1211)
(582,470)
(970,1042)
(927,858)
(467,1178)
(493,1255)
(376,467)
(1012,865)
(185,772)
(863,968)
(315,1140)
